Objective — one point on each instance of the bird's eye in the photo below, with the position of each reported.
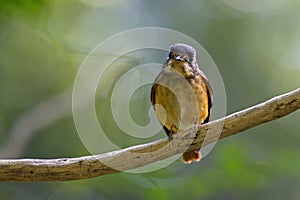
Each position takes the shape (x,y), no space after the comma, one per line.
(186,59)
(171,55)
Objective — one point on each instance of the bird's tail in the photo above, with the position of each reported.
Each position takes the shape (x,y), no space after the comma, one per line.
(189,156)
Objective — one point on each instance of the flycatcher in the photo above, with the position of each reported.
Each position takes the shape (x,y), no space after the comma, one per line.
(181,95)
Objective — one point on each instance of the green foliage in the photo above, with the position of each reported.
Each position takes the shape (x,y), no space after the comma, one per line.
(256,49)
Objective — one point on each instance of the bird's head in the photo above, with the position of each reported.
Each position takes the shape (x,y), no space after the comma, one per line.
(182,52)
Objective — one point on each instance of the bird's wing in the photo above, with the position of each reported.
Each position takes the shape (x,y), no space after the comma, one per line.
(209,93)
(152,96)
(210,99)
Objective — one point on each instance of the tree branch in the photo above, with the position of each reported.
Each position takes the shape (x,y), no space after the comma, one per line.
(64,169)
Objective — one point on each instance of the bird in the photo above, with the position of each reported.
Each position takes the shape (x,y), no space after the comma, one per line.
(182,95)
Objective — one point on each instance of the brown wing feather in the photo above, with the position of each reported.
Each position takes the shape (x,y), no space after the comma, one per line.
(152,97)
(210,100)
(210,95)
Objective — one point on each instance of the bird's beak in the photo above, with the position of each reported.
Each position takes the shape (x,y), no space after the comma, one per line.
(178,58)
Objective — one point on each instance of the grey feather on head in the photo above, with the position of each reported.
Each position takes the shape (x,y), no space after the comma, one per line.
(184,50)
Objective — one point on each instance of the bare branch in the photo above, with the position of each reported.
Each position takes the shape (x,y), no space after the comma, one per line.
(64,169)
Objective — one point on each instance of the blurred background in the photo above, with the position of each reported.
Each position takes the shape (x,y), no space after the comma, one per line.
(255,44)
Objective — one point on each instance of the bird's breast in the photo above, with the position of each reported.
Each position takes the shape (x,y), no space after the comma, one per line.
(181,102)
